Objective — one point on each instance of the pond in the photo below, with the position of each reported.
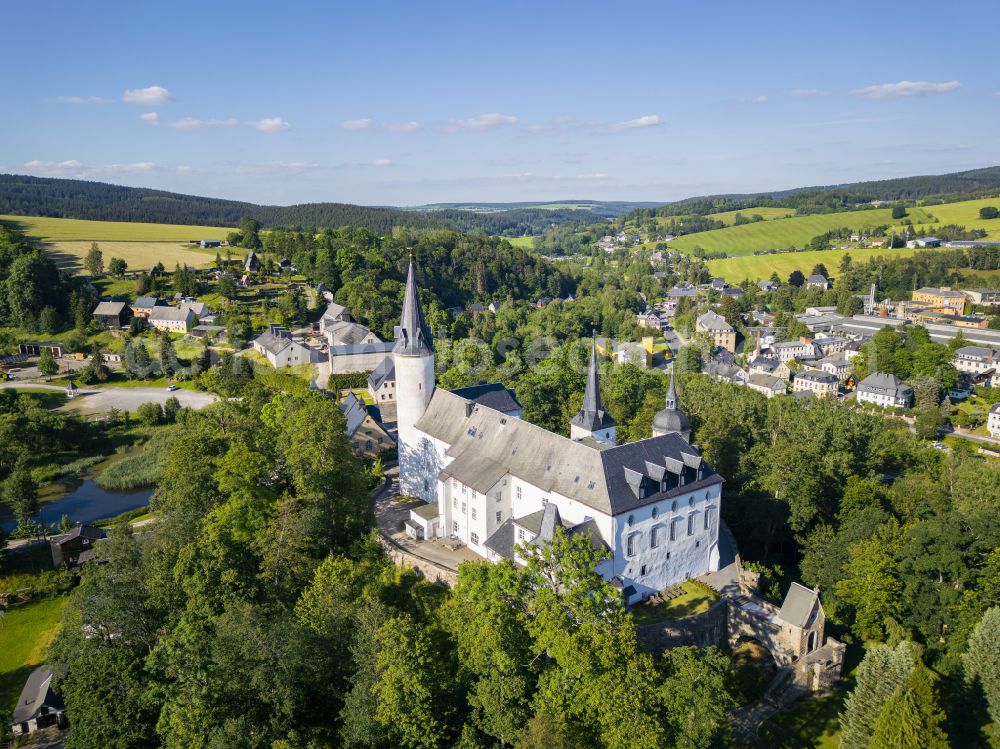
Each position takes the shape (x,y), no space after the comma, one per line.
(85,504)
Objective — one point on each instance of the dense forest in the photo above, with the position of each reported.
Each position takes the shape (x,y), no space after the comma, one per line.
(955,186)
(66,198)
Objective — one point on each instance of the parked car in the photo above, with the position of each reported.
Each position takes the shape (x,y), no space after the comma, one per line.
(171,388)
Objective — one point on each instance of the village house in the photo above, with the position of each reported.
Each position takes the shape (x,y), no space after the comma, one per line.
(113,315)
(836,365)
(364,427)
(817,281)
(77,546)
(357,357)
(885,390)
(720,331)
(144,306)
(650,319)
(172,319)
(771,365)
(827,344)
(334,313)
(252,262)
(787,351)
(39,705)
(281,350)
(822,384)
(486,475)
(382,382)
(993,422)
(767,384)
(975,360)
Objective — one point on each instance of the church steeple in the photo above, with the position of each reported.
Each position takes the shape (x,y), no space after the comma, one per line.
(413,336)
(592,420)
(671,419)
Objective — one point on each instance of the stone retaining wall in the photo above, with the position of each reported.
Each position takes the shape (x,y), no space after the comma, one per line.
(429,570)
(704,629)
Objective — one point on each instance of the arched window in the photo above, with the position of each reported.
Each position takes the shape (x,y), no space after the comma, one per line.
(655,512)
(673,506)
(691,501)
(631,520)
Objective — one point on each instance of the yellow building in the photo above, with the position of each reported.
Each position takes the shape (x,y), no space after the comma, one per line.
(721,332)
(944,298)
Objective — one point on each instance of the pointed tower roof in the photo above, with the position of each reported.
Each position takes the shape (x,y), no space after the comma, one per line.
(671,418)
(592,415)
(413,336)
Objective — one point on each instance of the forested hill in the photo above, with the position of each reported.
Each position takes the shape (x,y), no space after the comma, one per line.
(954,186)
(66,198)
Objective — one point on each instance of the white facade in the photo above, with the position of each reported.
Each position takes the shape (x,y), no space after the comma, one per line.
(414,388)
(975,359)
(993,422)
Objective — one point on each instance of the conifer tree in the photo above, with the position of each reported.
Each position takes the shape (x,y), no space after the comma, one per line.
(881,673)
(911,718)
(981,660)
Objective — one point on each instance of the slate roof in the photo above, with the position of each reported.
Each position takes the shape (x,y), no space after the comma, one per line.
(354,411)
(110,309)
(271,343)
(881,383)
(145,302)
(939,292)
(427,511)
(172,314)
(85,531)
(995,409)
(413,336)
(817,278)
(767,381)
(611,480)
(714,322)
(592,415)
(492,395)
(36,695)
(502,541)
(814,376)
(384,372)
(798,605)
(334,311)
(347,333)
(969,352)
(383,347)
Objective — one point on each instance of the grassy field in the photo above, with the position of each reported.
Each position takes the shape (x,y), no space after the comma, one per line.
(68,229)
(525,242)
(729,217)
(138,244)
(25,633)
(138,255)
(787,232)
(694,600)
(757,267)
(966,213)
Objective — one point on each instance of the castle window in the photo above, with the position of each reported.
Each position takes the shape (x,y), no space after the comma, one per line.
(454,502)
(473,513)
(691,501)
(673,528)
(708,519)
(499,516)
(673,506)
(520,534)
(655,513)
(691,519)
(474,539)
(630,545)
(654,539)
(631,519)
(463,508)
(454,527)
(519,492)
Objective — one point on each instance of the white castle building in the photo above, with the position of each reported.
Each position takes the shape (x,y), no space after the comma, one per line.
(492,480)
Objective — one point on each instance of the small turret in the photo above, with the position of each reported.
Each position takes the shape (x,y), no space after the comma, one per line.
(671,419)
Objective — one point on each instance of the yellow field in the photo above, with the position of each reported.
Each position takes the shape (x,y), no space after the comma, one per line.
(63,229)
(966,214)
(729,217)
(759,267)
(138,255)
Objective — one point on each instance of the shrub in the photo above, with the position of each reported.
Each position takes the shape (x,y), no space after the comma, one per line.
(150,414)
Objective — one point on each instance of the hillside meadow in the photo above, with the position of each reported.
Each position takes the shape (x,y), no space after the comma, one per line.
(795,231)
(138,244)
(966,213)
(768,214)
(759,267)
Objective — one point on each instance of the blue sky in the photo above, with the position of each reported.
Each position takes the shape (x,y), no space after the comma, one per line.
(408,103)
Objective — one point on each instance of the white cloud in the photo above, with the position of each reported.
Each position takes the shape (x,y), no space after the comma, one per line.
(485,121)
(382,162)
(360,124)
(595,177)
(905,89)
(809,93)
(649,120)
(79,170)
(82,100)
(193,123)
(270,125)
(756,101)
(401,127)
(152,95)
(151,117)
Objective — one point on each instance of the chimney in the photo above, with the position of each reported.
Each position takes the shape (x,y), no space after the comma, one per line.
(470,406)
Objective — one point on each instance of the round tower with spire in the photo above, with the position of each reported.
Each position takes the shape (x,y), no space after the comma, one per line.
(592,420)
(413,356)
(671,419)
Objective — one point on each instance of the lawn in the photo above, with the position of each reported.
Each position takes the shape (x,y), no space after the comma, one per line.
(729,217)
(70,229)
(524,242)
(966,213)
(137,255)
(757,267)
(795,231)
(694,600)
(812,723)
(25,633)
(50,399)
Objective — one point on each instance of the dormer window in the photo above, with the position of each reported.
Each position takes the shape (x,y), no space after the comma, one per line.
(655,512)
(631,520)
